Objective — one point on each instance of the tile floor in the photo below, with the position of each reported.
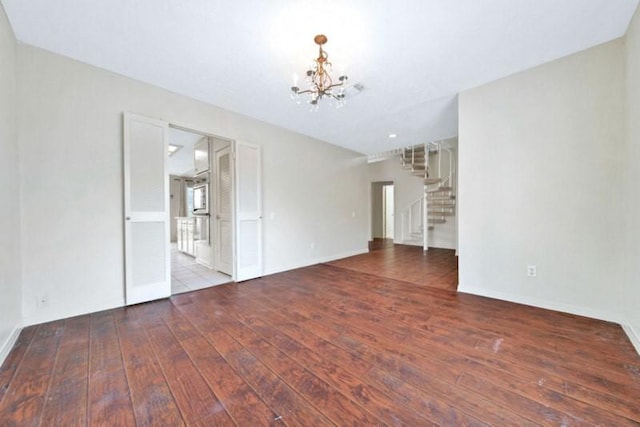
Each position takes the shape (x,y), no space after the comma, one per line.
(187,275)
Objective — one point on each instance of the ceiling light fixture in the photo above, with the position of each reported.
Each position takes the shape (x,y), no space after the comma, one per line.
(393,135)
(318,77)
(173,149)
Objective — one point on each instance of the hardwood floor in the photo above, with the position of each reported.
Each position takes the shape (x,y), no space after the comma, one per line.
(332,344)
(435,268)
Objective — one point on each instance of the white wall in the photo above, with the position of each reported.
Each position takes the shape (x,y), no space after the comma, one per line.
(632,183)
(10,263)
(540,183)
(70,122)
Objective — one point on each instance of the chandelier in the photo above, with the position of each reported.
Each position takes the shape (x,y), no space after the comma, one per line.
(319,79)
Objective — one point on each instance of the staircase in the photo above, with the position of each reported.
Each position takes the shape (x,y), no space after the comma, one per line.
(435,165)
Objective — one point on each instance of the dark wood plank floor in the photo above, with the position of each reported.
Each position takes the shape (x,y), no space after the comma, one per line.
(333,344)
(434,268)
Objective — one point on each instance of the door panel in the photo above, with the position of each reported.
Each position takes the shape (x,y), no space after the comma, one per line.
(224,224)
(248,211)
(226,242)
(146,209)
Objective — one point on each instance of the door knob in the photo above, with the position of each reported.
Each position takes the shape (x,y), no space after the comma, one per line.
(128,218)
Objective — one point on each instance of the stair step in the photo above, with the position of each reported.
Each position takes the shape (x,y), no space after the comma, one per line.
(442,204)
(409,163)
(417,148)
(441,213)
(417,158)
(440,190)
(418,173)
(407,157)
(437,220)
(433,198)
(431,181)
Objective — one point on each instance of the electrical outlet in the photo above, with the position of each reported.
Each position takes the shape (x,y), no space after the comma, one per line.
(532,271)
(312,245)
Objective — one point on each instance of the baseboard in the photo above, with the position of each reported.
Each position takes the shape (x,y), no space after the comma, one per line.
(409,243)
(319,260)
(53,313)
(340,256)
(204,263)
(8,344)
(634,335)
(540,303)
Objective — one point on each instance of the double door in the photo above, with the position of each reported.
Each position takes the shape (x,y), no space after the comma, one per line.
(146,209)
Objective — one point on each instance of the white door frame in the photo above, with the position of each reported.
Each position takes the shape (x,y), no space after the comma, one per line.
(235,225)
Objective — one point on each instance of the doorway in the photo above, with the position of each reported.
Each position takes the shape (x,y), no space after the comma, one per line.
(193,200)
(388,209)
(147,214)
(382,211)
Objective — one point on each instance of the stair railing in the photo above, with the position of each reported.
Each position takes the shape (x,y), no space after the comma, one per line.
(412,219)
(425,220)
(447,181)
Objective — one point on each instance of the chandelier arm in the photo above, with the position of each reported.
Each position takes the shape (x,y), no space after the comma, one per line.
(334,85)
(304,91)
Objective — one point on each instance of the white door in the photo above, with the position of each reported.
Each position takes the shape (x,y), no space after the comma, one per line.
(176,203)
(146,209)
(224,210)
(248,173)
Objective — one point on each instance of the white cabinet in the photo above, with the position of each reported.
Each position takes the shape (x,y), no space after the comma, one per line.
(184,235)
(201,155)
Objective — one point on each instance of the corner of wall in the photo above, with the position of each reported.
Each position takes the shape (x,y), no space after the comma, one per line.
(540,303)
(6,347)
(633,334)
(631,168)
(10,219)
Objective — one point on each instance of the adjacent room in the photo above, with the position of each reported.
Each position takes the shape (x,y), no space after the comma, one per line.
(320,213)
(199,256)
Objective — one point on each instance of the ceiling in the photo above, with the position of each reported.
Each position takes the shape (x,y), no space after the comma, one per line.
(412,56)
(181,162)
